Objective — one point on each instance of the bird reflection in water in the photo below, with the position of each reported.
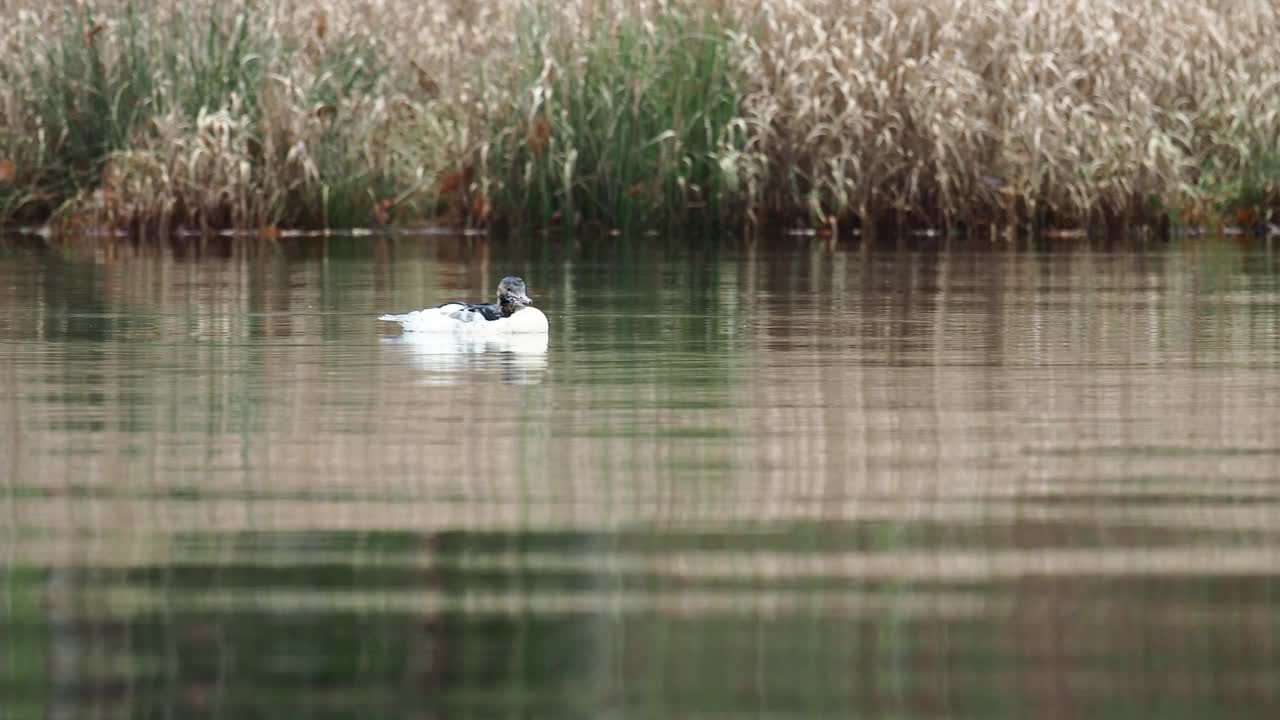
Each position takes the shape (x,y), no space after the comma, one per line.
(450,358)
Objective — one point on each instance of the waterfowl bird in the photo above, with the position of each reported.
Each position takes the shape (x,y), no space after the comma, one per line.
(512,313)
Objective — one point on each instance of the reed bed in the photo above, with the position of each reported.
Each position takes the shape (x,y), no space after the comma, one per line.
(978,111)
(316,113)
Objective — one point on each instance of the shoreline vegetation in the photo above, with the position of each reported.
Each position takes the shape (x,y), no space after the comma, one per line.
(1090,115)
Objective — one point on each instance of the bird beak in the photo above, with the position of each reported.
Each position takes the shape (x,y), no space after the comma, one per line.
(522,299)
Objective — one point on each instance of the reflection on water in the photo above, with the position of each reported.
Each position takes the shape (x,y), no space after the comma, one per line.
(928,479)
(449,358)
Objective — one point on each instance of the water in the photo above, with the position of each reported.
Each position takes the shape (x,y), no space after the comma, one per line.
(931,479)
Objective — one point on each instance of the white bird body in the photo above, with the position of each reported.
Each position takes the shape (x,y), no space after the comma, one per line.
(457,318)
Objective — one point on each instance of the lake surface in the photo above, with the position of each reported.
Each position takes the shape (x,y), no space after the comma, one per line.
(910,480)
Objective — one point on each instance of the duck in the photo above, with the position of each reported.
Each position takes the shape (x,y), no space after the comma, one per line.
(512,313)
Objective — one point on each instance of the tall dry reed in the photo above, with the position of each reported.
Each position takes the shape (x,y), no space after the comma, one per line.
(321,113)
(974,110)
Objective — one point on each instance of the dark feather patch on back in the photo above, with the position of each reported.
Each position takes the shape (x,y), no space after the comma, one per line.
(487,311)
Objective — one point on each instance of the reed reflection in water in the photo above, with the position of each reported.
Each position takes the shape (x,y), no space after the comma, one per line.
(917,480)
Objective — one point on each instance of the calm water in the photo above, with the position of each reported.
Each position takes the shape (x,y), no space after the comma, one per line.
(929,480)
